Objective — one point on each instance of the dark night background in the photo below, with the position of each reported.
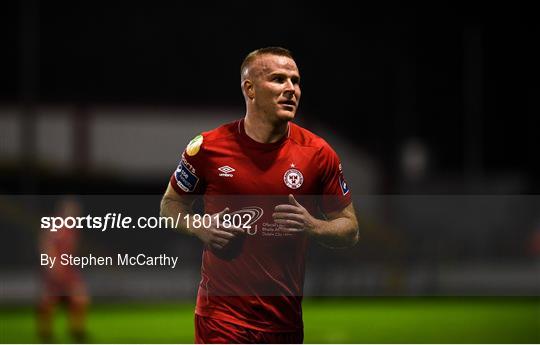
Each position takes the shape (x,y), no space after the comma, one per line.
(461,77)
(433,108)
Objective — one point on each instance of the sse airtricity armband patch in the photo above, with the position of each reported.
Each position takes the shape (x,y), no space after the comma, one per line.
(185,176)
(343,185)
(194,145)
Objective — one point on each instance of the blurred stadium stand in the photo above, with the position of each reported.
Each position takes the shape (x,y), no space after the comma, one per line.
(420,244)
(433,110)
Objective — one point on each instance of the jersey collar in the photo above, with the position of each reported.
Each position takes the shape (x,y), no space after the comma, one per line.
(262,146)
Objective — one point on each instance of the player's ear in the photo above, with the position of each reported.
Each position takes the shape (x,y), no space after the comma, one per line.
(249,91)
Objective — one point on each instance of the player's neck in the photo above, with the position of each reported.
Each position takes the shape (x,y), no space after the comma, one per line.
(264,131)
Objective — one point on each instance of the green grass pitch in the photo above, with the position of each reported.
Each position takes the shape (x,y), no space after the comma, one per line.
(329,320)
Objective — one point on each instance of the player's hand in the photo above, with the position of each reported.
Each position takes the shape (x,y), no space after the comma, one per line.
(293,217)
(218,237)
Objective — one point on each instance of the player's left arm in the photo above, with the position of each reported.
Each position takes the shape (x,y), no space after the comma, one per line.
(339,230)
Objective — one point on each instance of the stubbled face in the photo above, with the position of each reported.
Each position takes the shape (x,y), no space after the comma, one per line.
(276,87)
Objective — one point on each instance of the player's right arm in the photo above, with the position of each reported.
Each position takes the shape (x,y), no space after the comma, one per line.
(173,203)
(185,185)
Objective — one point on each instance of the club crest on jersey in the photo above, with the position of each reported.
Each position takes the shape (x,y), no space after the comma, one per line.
(293,178)
(194,145)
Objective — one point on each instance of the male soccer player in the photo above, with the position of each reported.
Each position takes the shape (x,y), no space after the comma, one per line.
(272,177)
(62,283)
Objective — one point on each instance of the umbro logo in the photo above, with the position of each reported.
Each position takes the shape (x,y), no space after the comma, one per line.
(226,171)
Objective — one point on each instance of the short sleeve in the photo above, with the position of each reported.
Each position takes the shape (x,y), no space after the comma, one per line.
(188,178)
(336,193)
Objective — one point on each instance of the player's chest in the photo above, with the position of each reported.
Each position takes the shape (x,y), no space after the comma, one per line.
(294,173)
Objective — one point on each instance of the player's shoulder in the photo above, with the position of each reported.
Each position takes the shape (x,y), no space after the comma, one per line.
(223,132)
(304,137)
(206,139)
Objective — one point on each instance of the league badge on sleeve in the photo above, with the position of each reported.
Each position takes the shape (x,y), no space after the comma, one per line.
(194,145)
(343,185)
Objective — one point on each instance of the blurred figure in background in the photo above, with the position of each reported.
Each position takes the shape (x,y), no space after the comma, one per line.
(62,283)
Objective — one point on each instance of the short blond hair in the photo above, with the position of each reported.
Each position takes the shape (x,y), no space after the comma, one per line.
(279,51)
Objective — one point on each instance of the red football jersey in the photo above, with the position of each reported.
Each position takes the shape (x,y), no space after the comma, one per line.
(257,281)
